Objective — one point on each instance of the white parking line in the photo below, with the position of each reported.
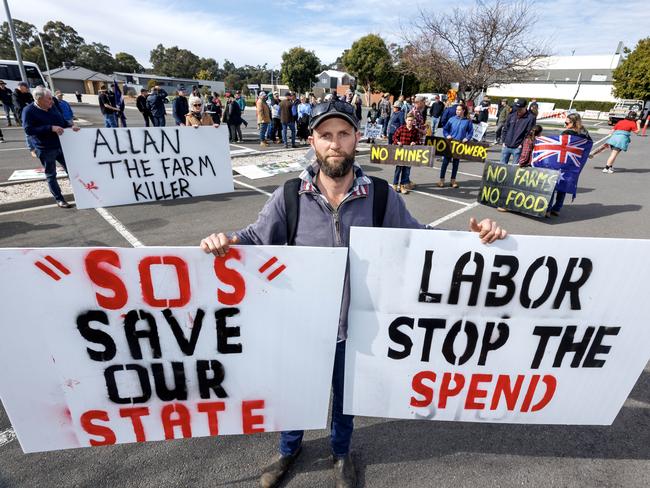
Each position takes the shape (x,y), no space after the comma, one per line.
(461,173)
(14,149)
(29,209)
(6,436)
(459,202)
(119,227)
(450,216)
(253,188)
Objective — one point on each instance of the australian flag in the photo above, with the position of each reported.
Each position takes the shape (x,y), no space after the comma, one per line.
(566,153)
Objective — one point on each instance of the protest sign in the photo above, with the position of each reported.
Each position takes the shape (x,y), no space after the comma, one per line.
(442,327)
(469,151)
(524,190)
(257,171)
(402,155)
(146,164)
(479,131)
(109,346)
(372,131)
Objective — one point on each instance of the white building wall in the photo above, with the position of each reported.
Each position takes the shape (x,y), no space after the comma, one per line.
(591,91)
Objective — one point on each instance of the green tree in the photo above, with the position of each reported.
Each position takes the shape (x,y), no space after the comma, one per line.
(151,84)
(62,43)
(173,61)
(126,63)
(26,36)
(211,67)
(203,74)
(97,57)
(299,68)
(632,77)
(232,81)
(370,62)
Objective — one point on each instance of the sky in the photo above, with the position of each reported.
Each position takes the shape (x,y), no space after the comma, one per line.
(247,32)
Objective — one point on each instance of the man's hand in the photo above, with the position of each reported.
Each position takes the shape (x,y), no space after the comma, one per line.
(218,244)
(488,230)
(448,137)
(75,128)
(57,129)
(465,140)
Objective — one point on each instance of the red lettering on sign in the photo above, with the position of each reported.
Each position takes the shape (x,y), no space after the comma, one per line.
(474,392)
(176,415)
(97,264)
(229,276)
(252,423)
(446,390)
(212,409)
(511,394)
(134,414)
(425,391)
(182,276)
(107,435)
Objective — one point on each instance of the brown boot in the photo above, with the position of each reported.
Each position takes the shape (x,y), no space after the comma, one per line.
(396,188)
(454,184)
(403,190)
(274,472)
(441,184)
(344,473)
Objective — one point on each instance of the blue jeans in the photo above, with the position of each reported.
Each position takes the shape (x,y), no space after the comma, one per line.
(110,121)
(405,172)
(390,136)
(558,198)
(454,167)
(158,120)
(292,128)
(9,109)
(342,425)
(506,152)
(49,158)
(384,126)
(264,128)
(269,132)
(434,124)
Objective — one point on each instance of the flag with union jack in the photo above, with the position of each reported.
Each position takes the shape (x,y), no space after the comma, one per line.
(566,153)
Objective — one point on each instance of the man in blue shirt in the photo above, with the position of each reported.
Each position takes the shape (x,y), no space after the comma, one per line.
(44,124)
(64,107)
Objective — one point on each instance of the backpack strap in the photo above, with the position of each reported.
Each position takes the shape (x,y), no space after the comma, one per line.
(292,208)
(379,201)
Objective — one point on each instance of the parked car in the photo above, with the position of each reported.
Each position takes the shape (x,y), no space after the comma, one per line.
(621,109)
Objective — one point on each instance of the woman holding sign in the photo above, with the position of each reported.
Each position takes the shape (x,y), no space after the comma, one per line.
(196,116)
(460,128)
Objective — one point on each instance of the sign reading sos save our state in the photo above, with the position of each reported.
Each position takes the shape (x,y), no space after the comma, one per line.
(107,346)
(539,330)
(146,164)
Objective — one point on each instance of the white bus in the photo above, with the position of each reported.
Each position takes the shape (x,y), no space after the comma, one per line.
(10,74)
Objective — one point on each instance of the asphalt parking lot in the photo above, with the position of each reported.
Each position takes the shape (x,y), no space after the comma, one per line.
(387,452)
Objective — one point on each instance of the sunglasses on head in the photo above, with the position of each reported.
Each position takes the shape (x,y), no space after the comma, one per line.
(337,105)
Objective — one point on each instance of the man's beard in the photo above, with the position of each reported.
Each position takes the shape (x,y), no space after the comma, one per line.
(335,170)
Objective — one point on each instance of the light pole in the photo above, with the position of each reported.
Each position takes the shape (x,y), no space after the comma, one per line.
(272,74)
(19,56)
(47,66)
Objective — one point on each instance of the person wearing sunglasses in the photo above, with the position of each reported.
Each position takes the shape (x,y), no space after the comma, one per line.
(333,194)
(196,116)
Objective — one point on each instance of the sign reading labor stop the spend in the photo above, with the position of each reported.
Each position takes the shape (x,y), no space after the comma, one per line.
(133,345)
(523,330)
(146,164)
(525,190)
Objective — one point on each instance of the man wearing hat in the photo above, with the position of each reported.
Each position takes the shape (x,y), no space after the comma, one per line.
(263,117)
(8,103)
(288,119)
(333,195)
(517,126)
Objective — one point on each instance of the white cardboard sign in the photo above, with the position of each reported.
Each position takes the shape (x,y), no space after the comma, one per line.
(534,330)
(132,345)
(146,164)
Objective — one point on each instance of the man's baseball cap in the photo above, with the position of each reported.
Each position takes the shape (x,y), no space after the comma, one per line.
(333,108)
(520,103)
(397,105)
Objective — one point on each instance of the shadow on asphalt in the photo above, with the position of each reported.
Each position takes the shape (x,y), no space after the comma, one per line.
(16,227)
(578,213)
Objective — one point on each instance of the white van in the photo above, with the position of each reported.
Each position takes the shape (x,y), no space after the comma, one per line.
(430,97)
(10,74)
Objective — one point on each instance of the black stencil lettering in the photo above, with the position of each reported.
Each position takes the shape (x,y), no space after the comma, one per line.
(544,333)
(429,325)
(496,280)
(224,332)
(472,338)
(111,383)
(95,335)
(598,348)
(133,336)
(399,337)
(186,346)
(551,265)
(487,346)
(567,345)
(573,287)
(424,295)
(178,391)
(214,382)
(459,277)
